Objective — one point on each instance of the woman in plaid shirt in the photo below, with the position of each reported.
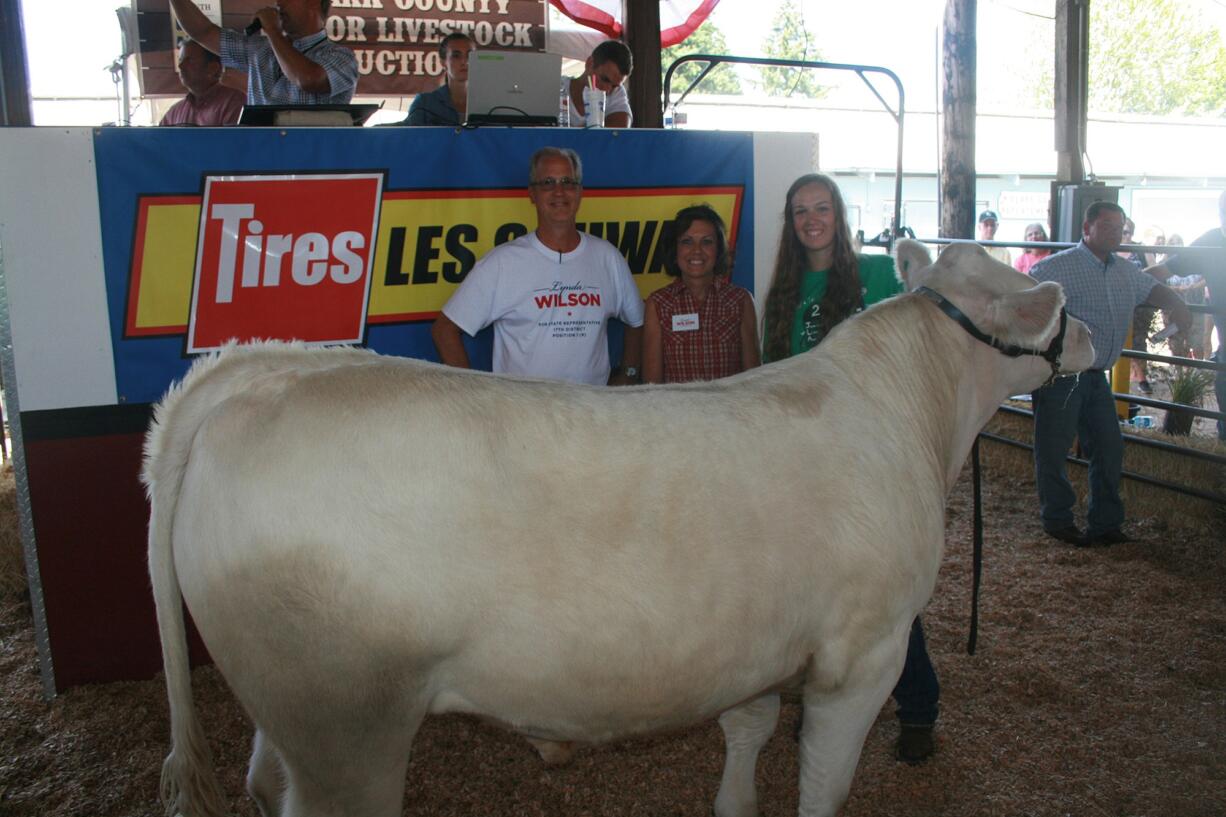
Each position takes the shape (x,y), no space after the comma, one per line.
(701,326)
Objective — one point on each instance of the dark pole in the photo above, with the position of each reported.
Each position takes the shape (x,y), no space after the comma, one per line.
(958,125)
(643,37)
(15,79)
(1071,68)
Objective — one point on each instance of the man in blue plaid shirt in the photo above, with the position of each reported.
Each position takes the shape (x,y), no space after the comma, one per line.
(1102,290)
(290,61)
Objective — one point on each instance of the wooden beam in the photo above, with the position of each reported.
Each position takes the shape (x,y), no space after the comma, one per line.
(14,76)
(1072,87)
(642,34)
(958,120)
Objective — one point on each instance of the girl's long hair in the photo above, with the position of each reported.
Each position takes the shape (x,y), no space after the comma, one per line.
(842,296)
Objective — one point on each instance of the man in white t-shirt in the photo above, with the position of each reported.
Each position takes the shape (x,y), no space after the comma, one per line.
(607,69)
(550,293)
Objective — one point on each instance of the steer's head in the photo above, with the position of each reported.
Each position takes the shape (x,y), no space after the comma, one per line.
(1001,303)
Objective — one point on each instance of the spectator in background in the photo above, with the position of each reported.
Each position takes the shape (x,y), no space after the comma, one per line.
(1101,289)
(701,326)
(289,61)
(448,103)
(607,68)
(1212,267)
(1142,316)
(1194,291)
(208,103)
(1154,237)
(1034,232)
(988,222)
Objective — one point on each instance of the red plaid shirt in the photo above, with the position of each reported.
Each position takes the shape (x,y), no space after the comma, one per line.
(711,351)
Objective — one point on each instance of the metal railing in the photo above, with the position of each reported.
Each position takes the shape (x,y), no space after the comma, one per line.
(1196,309)
(1185,452)
(1150,402)
(714,60)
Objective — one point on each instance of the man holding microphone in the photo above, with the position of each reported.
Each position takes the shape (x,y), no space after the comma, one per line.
(287,55)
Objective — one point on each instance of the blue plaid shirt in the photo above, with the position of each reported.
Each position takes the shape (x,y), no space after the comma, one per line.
(1102,295)
(268,85)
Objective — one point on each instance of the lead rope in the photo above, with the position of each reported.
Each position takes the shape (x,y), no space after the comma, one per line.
(977,539)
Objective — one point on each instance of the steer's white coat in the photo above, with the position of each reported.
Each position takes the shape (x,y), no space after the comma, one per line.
(364,540)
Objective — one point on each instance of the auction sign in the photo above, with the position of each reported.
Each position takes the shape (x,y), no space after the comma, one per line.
(395,41)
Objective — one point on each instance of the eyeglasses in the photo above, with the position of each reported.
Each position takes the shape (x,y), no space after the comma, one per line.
(550,183)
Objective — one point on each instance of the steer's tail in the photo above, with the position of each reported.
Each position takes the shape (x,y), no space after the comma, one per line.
(189,786)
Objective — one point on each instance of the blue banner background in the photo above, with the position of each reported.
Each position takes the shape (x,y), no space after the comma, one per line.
(136,162)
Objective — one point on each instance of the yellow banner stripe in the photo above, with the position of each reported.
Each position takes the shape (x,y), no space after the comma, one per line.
(427,241)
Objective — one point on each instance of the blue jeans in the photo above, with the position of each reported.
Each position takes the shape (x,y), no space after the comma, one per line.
(1082,407)
(918,693)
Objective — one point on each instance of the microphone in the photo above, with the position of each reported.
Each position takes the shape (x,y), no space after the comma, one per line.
(252,27)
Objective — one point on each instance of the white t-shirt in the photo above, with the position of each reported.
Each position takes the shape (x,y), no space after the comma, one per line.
(617,101)
(550,310)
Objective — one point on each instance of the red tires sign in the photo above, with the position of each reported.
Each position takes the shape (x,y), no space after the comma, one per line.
(284,257)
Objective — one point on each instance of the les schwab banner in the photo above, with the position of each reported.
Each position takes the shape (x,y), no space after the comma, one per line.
(331,255)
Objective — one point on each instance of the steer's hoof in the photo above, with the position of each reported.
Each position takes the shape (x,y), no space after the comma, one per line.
(554,753)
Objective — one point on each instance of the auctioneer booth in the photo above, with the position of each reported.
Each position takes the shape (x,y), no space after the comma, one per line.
(125,253)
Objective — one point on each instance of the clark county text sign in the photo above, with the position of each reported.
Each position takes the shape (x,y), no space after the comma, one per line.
(395,41)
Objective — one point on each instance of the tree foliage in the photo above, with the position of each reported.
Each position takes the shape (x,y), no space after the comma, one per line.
(1151,57)
(789,40)
(1155,57)
(706,39)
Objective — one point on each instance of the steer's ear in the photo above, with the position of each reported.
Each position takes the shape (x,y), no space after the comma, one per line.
(1027,316)
(910,256)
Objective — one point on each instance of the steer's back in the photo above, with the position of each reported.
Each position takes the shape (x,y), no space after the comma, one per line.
(577,562)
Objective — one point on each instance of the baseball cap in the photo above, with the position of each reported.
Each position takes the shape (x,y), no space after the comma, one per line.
(988,215)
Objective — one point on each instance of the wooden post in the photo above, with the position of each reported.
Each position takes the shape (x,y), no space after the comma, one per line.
(1072,87)
(643,37)
(14,76)
(958,126)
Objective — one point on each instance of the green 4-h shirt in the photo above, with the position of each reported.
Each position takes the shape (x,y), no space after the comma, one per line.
(878,281)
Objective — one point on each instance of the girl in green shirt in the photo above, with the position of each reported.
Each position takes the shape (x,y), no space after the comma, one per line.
(819,279)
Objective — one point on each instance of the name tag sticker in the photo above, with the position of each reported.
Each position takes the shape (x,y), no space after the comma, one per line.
(685,323)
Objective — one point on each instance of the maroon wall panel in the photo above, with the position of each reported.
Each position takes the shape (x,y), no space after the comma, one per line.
(90,519)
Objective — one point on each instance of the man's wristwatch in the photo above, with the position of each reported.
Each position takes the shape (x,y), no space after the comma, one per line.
(631,372)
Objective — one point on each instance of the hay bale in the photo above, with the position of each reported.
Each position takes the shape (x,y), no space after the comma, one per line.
(12,557)
(1140,499)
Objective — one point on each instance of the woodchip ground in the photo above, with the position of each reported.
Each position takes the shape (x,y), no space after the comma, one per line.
(1099,688)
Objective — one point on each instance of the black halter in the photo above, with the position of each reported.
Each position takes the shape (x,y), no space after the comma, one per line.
(1051,354)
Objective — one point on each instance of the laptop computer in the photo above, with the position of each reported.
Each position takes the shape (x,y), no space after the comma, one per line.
(513,88)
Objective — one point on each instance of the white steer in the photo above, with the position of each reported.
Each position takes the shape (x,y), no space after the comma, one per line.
(363,541)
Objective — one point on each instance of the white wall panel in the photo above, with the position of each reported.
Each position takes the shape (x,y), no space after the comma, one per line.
(51,257)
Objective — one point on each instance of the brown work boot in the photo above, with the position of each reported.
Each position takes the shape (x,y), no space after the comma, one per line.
(915,744)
